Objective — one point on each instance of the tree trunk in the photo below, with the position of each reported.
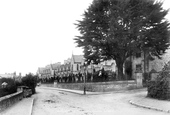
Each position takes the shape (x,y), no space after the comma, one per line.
(120,69)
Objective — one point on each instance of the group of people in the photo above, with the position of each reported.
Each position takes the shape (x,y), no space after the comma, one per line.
(97,76)
(71,78)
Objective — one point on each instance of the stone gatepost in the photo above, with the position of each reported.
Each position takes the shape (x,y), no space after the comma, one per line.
(139,79)
(55,83)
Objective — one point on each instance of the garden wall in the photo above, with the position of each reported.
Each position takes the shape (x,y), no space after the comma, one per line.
(9,100)
(99,86)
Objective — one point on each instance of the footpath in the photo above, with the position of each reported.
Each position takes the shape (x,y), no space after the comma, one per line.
(140,99)
(23,107)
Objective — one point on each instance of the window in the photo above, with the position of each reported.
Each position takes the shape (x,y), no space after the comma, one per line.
(139,67)
(77,66)
(138,55)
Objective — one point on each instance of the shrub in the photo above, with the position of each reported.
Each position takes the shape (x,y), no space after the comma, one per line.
(30,80)
(9,89)
(159,88)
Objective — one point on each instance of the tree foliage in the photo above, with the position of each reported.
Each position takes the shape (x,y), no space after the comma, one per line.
(30,80)
(9,89)
(117,29)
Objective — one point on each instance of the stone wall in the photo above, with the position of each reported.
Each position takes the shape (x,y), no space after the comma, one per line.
(158,64)
(99,86)
(9,100)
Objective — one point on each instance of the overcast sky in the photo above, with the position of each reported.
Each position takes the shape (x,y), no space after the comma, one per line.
(35,33)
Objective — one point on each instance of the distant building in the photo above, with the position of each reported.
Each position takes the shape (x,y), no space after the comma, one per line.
(109,65)
(45,72)
(55,68)
(40,72)
(18,77)
(76,63)
(10,75)
(73,65)
(6,75)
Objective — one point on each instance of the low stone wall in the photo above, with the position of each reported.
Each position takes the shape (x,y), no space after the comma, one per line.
(9,100)
(99,86)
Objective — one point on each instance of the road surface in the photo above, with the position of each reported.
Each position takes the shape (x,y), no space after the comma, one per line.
(55,102)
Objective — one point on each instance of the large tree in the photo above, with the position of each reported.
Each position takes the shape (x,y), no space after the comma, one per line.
(116,29)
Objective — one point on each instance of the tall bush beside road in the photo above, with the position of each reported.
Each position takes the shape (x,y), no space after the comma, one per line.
(160,88)
(30,80)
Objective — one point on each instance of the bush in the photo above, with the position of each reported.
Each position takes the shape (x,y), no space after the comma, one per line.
(9,89)
(30,80)
(159,88)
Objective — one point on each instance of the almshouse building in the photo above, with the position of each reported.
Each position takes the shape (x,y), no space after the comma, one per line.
(75,65)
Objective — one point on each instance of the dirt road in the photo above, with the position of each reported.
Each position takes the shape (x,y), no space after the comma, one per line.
(54,102)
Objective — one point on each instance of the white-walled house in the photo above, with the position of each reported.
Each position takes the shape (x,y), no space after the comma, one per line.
(109,65)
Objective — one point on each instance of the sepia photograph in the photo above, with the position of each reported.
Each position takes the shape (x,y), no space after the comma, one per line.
(84,57)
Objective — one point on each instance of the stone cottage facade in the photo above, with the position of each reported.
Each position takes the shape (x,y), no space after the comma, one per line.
(144,63)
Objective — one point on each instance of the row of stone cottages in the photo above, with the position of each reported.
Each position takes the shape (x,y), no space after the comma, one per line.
(74,65)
